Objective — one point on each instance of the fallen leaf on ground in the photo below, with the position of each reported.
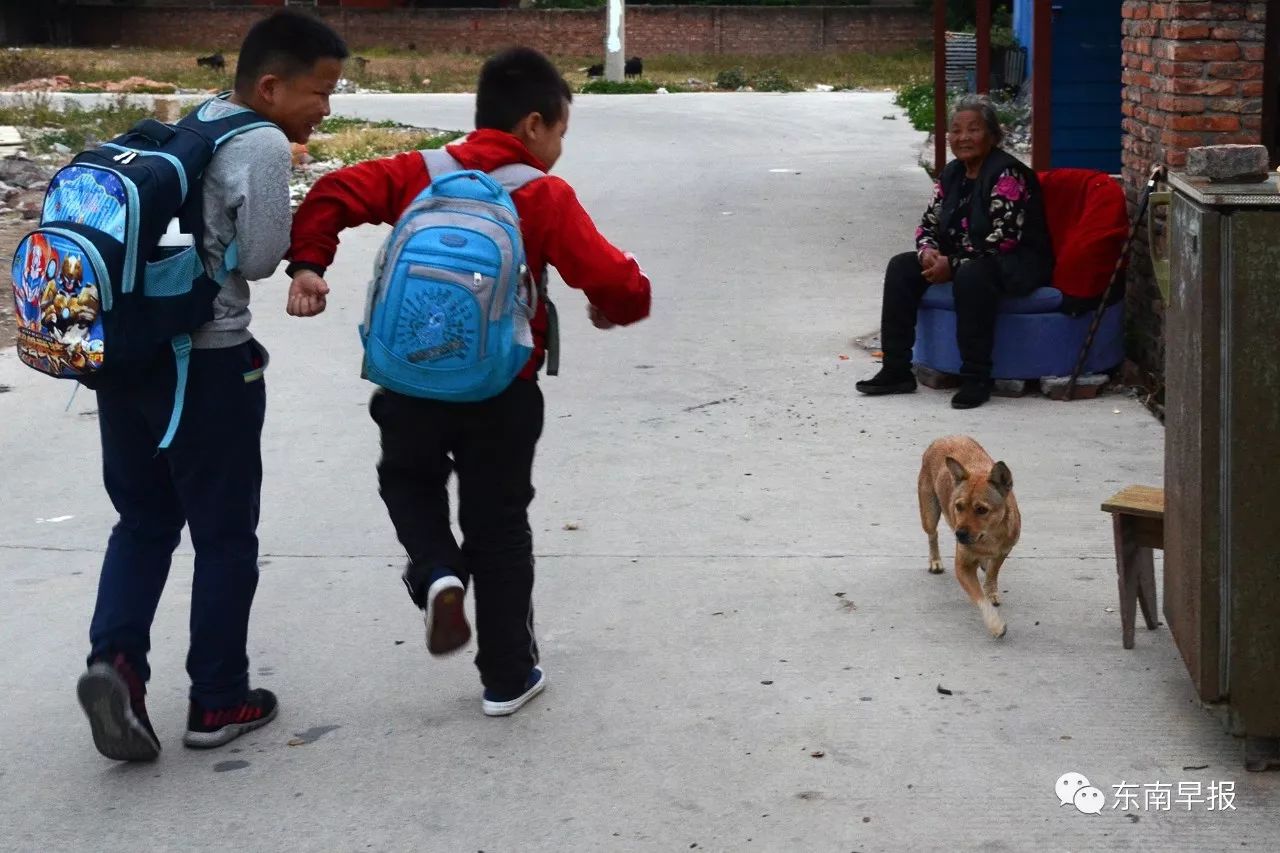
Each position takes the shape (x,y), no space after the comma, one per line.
(817,754)
(944,691)
(297,741)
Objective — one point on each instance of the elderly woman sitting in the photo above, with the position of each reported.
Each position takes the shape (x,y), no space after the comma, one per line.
(984,231)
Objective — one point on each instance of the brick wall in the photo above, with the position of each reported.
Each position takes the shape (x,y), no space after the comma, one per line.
(1193,76)
(651,30)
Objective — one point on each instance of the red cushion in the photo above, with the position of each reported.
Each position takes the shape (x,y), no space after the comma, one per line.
(1088,224)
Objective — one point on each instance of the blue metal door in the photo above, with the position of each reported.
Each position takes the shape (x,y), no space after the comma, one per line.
(1087,66)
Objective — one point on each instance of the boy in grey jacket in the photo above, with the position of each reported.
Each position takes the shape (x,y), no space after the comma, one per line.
(211,475)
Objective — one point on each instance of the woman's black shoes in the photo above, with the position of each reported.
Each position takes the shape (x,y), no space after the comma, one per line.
(900,380)
(890,380)
(972,394)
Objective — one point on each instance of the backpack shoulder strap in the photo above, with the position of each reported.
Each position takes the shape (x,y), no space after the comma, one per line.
(218,129)
(513,176)
(439,162)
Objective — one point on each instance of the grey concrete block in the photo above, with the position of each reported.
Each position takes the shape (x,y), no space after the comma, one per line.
(1087,386)
(930,378)
(1229,163)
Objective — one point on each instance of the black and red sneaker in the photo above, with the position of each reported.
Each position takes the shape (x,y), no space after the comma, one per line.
(210,727)
(113,696)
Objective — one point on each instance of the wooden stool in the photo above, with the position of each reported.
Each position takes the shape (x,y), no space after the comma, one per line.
(1137,515)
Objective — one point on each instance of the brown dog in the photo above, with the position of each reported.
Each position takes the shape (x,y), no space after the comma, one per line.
(959,480)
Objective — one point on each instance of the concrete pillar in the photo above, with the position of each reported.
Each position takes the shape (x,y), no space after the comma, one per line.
(615,40)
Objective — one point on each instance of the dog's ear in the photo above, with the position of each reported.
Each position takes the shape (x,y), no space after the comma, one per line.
(957,470)
(1002,478)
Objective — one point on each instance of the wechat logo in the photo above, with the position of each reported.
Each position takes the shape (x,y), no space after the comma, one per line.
(1073,789)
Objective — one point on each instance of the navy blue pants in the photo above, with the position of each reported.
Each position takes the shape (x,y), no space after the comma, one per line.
(208,479)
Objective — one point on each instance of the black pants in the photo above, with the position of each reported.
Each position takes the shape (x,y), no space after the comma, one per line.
(491,446)
(978,286)
(209,479)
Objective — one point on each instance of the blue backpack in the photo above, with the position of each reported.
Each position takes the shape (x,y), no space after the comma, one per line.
(114,273)
(448,309)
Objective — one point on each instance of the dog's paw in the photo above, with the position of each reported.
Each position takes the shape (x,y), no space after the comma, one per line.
(935,567)
(994,623)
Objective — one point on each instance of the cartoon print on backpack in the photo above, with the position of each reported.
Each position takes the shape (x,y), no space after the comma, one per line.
(69,306)
(31,272)
(59,307)
(90,196)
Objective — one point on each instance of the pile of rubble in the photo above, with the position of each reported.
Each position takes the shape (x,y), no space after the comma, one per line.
(306,171)
(63,83)
(22,185)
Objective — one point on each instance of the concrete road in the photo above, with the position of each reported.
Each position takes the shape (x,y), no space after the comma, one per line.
(743,645)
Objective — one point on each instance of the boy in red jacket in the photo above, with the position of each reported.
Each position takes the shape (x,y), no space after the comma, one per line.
(522,113)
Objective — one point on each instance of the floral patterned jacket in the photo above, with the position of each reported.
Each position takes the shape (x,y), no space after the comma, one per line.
(1007,209)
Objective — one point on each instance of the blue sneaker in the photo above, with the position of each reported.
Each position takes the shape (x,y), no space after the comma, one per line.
(496,705)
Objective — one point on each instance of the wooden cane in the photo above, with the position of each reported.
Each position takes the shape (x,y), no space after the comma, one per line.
(1157,175)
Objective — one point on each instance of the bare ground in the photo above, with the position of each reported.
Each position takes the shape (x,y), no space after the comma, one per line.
(11,230)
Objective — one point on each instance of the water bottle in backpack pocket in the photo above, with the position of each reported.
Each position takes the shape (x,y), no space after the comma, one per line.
(448,310)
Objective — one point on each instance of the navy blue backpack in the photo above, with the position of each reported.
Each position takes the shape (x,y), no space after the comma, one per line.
(114,275)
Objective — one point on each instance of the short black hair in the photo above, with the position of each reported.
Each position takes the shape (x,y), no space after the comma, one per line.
(515,83)
(286,44)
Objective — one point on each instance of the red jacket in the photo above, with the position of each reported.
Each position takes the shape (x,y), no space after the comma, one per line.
(556,229)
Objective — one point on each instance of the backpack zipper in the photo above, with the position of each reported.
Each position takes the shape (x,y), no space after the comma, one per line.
(128,155)
(405,233)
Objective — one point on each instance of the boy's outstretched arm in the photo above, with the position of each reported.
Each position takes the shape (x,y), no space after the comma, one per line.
(612,280)
(367,193)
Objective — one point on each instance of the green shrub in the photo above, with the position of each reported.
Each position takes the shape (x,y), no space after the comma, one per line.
(334,124)
(768,80)
(732,79)
(600,86)
(772,80)
(916,98)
